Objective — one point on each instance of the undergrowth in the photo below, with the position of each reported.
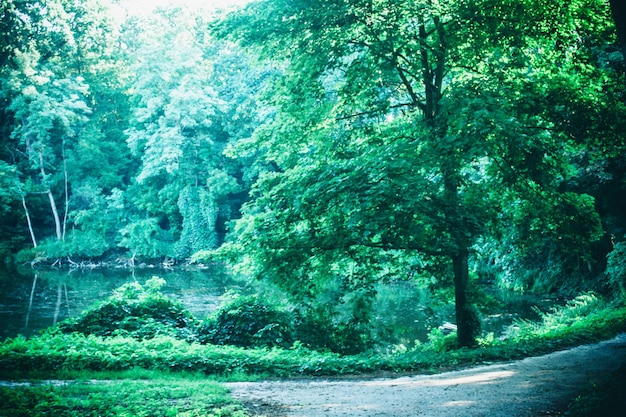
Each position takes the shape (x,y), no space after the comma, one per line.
(585,319)
(143,398)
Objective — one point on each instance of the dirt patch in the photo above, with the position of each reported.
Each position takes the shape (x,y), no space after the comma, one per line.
(537,386)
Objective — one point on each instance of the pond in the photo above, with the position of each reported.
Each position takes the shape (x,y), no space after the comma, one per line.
(31,300)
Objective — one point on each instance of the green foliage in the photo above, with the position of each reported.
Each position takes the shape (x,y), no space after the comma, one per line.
(78,244)
(181,125)
(325,328)
(24,402)
(585,319)
(401,130)
(440,342)
(616,270)
(246,321)
(566,323)
(136,311)
(167,397)
(146,238)
(393,139)
(81,122)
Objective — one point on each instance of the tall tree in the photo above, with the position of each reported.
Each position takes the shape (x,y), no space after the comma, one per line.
(57,129)
(403,127)
(185,115)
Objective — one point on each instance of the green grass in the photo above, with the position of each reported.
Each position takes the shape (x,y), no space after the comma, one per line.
(149,398)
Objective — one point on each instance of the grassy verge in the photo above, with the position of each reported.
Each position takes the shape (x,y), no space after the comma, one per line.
(138,398)
(605,400)
(52,355)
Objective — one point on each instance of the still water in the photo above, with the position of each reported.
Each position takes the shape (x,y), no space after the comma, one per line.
(31,300)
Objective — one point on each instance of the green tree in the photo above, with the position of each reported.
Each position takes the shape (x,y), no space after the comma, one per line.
(62,125)
(408,128)
(190,105)
(49,112)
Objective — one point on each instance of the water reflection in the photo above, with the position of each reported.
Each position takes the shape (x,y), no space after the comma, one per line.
(61,289)
(31,300)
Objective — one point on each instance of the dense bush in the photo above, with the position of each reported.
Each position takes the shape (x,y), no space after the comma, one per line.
(246,321)
(318,330)
(135,310)
(143,312)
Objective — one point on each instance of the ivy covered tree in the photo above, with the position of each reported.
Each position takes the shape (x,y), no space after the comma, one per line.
(407,131)
(185,115)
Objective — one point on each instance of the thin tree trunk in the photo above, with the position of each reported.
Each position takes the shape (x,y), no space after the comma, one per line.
(55,214)
(30,224)
(53,206)
(65,186)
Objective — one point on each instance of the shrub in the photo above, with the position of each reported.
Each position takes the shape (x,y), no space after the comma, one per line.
(246,321)
(346,338)
(438,341)
(137,311)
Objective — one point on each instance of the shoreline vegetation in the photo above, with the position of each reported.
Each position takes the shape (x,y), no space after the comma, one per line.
(121,261)
(163,368)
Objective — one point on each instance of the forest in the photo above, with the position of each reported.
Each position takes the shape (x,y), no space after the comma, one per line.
(323,146)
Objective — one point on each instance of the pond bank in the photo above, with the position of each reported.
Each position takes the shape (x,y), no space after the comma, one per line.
(35,299)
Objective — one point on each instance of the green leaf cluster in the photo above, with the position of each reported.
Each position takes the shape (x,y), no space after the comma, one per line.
(247,322)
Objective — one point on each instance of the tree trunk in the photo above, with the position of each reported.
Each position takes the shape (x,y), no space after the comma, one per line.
(466,320)
(30,224)
(53,206)
(66,188)
(55,214)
